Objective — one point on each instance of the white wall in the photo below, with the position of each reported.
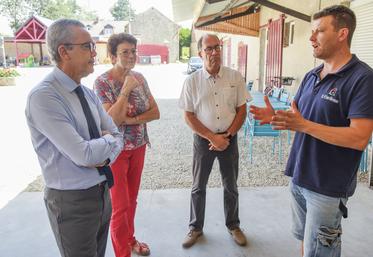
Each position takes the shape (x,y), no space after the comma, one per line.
(252,69)
(362,41)
(252,51)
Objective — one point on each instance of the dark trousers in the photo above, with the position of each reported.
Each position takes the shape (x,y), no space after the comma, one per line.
(203,160)
(79,220)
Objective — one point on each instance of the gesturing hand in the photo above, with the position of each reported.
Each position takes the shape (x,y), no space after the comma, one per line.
(264,114)
(289,120)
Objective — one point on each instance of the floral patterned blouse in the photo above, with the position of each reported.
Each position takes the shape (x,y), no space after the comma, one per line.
(108,90)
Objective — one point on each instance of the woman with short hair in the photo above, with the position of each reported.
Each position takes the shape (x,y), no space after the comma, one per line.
(126,97)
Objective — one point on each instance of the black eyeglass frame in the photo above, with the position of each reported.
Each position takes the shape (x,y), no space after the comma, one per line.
(210,49)
(91,46)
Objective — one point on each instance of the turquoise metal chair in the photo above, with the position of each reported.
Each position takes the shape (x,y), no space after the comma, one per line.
(287,99)
(284,97)
(249,85)
(276,92)
(253,129)
(363,167)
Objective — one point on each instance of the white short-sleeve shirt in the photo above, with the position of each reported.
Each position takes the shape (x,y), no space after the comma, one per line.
(214,100)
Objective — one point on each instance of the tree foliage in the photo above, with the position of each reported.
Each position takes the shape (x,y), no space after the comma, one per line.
(18,11)
(185,37)
(15,10)
(122,10)
(55,9)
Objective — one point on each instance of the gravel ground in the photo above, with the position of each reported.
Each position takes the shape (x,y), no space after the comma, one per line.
(169,160)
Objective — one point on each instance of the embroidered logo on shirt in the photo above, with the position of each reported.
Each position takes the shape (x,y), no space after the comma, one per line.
(331,96)
(332,92)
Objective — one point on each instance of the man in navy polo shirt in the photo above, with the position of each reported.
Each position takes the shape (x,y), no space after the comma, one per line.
(332,114)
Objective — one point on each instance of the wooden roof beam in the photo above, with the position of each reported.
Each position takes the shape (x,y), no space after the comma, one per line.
(230,28)
(247,31)
(252,9)
(283,9)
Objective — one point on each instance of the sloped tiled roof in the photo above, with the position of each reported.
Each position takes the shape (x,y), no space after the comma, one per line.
(97,28)
(44,21)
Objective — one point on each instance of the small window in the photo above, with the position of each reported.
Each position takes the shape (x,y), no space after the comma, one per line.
(108,30)
(285,40)
(292,31)
(127,29)
(288,33)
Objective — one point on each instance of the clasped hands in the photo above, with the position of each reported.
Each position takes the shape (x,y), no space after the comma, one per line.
(219,142)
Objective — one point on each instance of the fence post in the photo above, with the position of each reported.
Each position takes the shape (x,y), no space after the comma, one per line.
(2,49)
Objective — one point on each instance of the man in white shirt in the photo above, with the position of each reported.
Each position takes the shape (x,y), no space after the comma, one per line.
(214,100)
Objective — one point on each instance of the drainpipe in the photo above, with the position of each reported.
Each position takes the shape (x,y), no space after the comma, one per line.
(2,49)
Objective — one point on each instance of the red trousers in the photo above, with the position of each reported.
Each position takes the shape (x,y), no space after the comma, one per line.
(127,170)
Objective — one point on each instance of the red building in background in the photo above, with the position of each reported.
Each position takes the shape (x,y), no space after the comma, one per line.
(148,50)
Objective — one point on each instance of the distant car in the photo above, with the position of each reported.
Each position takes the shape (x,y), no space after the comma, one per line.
(194,64)
(10,62)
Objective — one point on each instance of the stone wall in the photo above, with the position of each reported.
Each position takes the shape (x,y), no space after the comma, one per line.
(152,27)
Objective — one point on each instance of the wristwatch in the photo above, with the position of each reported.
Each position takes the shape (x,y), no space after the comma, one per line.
(229,136)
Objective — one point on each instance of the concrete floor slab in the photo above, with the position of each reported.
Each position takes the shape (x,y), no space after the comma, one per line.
(162,219)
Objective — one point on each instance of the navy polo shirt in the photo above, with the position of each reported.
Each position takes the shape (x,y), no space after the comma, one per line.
(316,165)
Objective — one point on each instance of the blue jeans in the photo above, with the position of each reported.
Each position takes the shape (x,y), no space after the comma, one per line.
(317,222)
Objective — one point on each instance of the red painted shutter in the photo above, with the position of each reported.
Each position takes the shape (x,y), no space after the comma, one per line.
(242,58)
(274,53)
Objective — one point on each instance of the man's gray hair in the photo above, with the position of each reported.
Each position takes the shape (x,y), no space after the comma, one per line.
(58,34)
(199,44)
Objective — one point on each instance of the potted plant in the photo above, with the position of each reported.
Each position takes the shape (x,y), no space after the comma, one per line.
(8,77)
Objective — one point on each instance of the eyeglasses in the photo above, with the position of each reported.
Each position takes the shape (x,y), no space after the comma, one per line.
(210,49)
(91,46)
(127,52)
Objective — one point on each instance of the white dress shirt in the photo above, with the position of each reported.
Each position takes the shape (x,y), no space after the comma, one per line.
(214,100)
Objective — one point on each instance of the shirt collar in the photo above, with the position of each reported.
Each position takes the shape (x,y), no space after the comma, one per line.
(341,71)
(208,75)
(348,65)
(65,81)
